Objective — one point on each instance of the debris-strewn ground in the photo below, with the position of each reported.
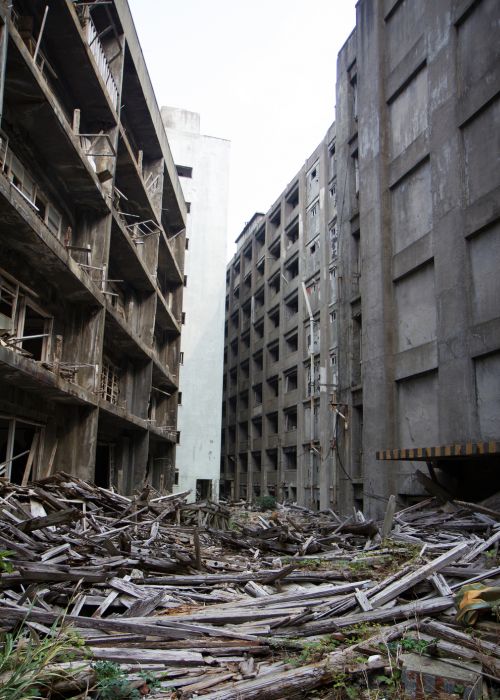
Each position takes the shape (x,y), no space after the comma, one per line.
(103,596)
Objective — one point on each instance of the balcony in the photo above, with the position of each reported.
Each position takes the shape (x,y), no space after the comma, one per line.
(97,51)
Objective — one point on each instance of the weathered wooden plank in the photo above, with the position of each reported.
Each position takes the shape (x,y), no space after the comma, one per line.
(395,589)
(167,657)
(57,518)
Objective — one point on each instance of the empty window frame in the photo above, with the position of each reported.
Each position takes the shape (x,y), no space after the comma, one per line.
(110,382)
(292,234)
(272,423)
(258,360)
(273,385)
(260,240)
(275,250)
(275,283)
(8,305)
(243,400)
(291,307)
(292,342)
(29,327)
(256,428)
(25,184)
(291,420)
(245,369)
(292,269)
(291,380)
(274,317)
(184,171)
(257,395)
(274,352)
(259,329)
(292,197)
(275,218)
(290,458)
(21,444)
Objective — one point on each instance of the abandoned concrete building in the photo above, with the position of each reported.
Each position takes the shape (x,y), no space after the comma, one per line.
(418,128)
(92,221)
(203,167)
(280,351)
(404,284)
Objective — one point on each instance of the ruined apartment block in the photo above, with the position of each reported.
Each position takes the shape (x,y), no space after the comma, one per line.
(417,141)
(280,358)
(91,251)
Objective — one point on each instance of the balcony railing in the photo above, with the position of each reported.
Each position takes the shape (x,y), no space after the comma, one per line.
(102,62)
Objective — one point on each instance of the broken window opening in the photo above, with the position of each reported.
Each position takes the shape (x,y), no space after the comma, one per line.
(21,444)
(110,382)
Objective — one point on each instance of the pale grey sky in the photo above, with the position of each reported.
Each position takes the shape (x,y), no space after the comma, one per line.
(260,73)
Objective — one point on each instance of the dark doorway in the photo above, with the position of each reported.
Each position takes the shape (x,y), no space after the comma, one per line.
(104,462)
(24,442)
(203,489)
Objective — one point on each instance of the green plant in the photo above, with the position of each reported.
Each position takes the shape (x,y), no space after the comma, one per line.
(27,667)
(314,651)
(112,683)
(265,502)
(391,681)
(418,646)
(5,565)
(150,680)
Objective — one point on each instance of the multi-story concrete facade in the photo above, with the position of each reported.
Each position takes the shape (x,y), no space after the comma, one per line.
(203,168)
(91,250)
(280,353)
(417,126)
(414,289)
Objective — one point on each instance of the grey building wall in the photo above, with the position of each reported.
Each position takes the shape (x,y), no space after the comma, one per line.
(203,168)
(270,394)
(418,124)
(92,246)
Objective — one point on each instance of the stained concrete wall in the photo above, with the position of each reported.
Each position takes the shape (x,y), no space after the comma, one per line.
(427,222)
(199,419)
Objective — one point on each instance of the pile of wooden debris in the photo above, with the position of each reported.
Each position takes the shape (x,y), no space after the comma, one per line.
(182,600)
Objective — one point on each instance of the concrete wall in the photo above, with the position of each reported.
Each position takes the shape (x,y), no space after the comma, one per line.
(200,381)
(427,222)
(268,445)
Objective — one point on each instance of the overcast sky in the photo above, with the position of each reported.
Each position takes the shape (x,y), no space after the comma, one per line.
(261,73)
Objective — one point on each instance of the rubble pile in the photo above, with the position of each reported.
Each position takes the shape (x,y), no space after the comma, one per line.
(183,600)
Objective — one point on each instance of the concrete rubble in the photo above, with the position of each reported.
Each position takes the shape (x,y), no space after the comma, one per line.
(222,601)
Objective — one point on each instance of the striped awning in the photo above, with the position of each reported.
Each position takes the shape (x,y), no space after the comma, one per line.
(466,449)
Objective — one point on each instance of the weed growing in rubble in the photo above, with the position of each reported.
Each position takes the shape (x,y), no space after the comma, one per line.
(28,666)
(314,651)
(112,683)
(265,502)
(5,565)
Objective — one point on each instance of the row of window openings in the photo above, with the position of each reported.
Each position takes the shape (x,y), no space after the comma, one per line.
(291,342)
(271,422)
(290,382)
(288,456)
(24,183)
(291,272)
(291,236)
